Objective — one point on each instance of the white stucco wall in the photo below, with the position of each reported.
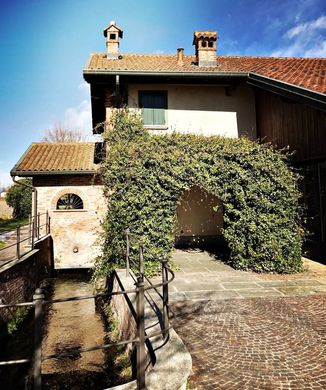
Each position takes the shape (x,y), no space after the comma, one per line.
(207,110)
(74,228)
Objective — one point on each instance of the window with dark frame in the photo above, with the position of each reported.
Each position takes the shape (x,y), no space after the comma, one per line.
(153,105)
(70,202)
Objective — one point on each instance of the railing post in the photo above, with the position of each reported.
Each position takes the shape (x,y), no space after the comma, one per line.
(33,229)
(127,251)
(47,222)
(141,354)
(38,225)
(141,259)
(38,298)
(49,225)
(29,229)
(18,241)
(165,298)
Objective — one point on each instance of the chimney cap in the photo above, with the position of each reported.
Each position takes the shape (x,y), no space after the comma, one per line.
(204,34)
(113,27)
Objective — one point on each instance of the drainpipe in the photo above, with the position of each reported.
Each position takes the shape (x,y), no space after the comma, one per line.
(117,88)
(34,212)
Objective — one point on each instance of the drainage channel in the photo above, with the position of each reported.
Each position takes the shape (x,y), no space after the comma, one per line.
(67,326)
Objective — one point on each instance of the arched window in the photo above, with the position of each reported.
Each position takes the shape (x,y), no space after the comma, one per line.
(70,202)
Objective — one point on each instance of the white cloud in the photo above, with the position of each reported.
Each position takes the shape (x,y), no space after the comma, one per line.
(304,40)
(317,51)
(79,118)
(84,87)
(308,27)
(5,179)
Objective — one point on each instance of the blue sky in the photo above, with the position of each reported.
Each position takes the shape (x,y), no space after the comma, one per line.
(45,44)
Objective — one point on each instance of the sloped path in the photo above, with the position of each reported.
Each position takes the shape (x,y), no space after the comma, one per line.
(10,238)
(70,326)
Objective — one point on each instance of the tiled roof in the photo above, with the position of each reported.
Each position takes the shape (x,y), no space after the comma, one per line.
(56,158)
(309,73)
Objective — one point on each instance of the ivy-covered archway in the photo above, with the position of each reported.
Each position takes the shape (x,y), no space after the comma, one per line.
(144,176)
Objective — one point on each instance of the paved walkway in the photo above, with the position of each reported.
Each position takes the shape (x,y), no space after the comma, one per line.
(249,331)
(201,276)
(9,252)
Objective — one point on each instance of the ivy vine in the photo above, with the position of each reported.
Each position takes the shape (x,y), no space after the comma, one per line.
(145,175)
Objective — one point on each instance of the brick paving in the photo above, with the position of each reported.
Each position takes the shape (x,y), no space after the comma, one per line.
(250,331)
(256,343)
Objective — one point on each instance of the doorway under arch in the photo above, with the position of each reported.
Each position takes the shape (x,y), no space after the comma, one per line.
(199,219)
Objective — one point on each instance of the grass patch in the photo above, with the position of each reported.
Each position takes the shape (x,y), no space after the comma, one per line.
(16,322)
(2,244)
(11,224)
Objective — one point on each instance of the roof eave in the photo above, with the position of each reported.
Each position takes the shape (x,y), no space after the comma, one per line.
(301,94)
(14,172)
(105,72)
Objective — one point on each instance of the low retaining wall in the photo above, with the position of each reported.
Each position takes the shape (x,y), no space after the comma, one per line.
(170,362)
(20,278)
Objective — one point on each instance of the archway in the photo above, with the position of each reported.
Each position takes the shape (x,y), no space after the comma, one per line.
(199,219)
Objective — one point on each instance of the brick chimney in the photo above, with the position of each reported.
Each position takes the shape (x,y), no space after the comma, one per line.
(205,43)
(112,34)
(180,56)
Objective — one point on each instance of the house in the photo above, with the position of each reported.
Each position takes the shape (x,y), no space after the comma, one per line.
(67,185)
(278,100)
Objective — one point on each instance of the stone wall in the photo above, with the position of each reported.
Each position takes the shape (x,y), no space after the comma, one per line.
(124,309)
(169,361)
(75,233)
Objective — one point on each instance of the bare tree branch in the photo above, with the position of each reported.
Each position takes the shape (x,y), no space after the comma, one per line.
(61,134)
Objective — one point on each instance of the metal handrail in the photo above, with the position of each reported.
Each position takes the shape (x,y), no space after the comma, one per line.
(34,228)
(140,290)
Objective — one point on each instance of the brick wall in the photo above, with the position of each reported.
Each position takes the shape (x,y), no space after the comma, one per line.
(63,180)
(20,278)
(75,232)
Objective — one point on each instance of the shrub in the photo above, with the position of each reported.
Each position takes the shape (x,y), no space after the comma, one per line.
(145,175)
(20,199)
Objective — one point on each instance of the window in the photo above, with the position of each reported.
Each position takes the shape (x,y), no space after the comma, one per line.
(112,36)
(70,202)
(153,105)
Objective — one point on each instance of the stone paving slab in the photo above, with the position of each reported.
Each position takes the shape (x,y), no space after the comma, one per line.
(201,276)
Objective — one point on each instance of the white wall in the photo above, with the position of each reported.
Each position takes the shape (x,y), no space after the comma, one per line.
(206,110)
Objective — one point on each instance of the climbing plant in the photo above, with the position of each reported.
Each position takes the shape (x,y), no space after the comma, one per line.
(145,175)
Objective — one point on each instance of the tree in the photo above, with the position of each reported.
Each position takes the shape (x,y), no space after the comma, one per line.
(20,199)
(60,134)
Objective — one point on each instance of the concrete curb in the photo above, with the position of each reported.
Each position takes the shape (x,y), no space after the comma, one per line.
(172,362)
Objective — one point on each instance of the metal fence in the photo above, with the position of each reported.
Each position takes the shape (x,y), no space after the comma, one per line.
(20,241)
(141,291)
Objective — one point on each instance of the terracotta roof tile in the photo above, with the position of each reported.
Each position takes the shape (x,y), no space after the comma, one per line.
(309,73)
(57,157)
